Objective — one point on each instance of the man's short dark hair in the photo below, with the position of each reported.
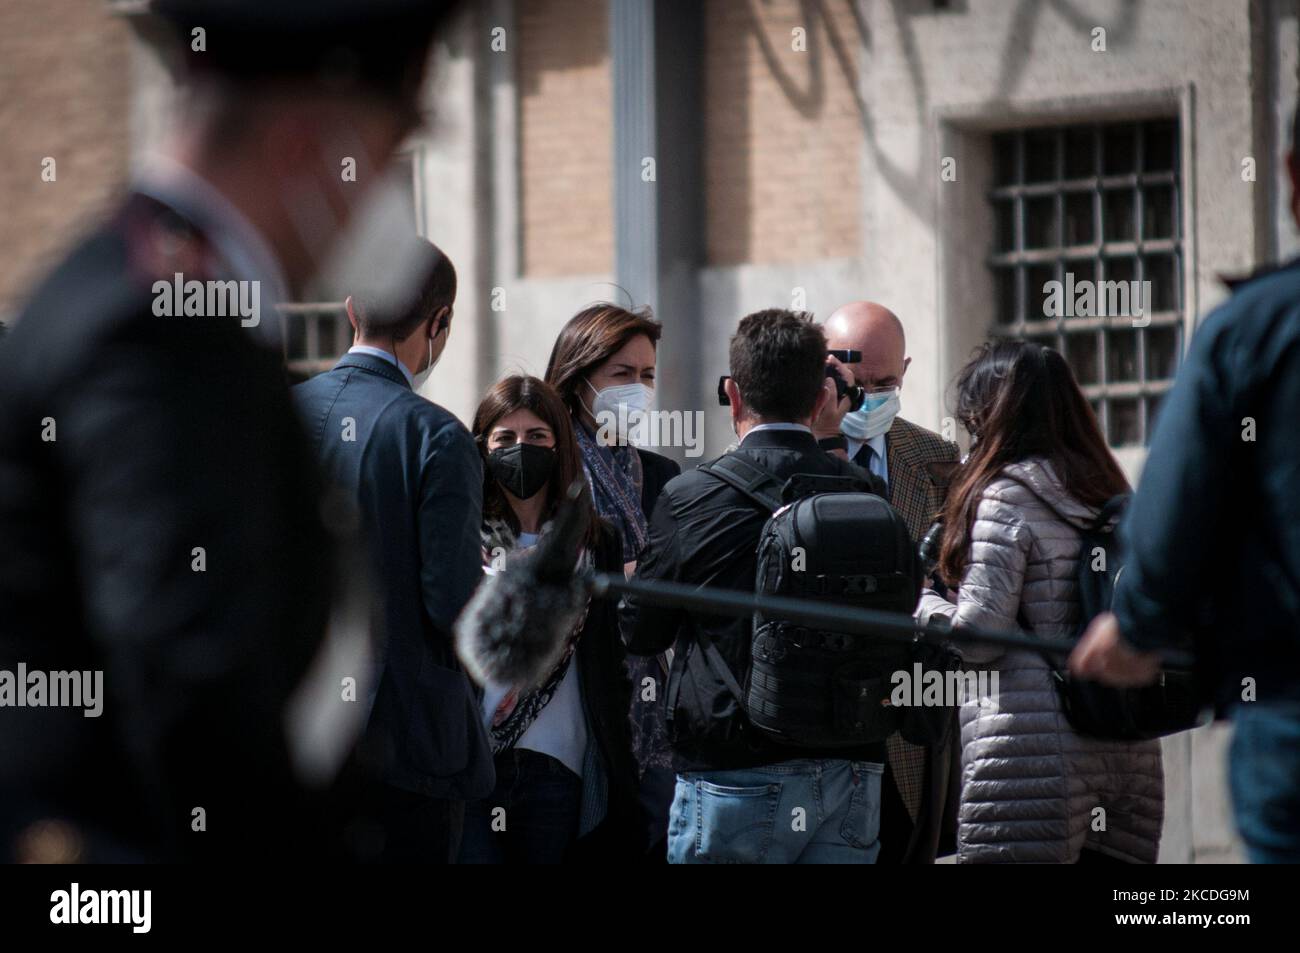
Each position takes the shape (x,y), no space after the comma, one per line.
(437,290)
(778,361)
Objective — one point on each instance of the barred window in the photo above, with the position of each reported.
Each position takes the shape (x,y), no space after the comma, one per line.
(1095,209)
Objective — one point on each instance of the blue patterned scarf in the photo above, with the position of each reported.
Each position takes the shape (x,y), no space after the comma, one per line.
(614,474)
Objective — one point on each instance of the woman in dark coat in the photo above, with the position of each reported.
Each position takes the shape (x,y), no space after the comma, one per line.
(603,367)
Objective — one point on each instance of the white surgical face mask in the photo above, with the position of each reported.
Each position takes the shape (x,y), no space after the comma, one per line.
(417,380)
(616,406)
(874,417)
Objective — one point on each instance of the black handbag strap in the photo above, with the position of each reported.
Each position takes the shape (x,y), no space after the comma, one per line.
(1057,669)
(1104,519)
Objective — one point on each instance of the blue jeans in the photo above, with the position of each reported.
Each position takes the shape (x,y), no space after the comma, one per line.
(796,812)
(1264,773)
(531,817)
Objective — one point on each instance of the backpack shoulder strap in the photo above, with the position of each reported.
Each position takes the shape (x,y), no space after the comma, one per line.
(713,658)
(757,484)
(801,485)
(1111,512)
(763,489)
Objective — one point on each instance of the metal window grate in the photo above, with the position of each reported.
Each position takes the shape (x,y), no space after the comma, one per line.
(1094,203)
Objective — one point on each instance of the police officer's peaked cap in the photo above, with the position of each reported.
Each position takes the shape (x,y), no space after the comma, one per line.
(379,44)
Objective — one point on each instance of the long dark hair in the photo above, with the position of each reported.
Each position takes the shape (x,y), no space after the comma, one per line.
(1019,400)
(518,392)
(590,338)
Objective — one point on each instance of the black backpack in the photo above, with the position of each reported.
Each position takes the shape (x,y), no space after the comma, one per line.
(828,540)
(1171,705)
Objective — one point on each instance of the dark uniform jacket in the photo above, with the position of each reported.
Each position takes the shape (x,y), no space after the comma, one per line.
(158,522)
(414,471)
(704,532)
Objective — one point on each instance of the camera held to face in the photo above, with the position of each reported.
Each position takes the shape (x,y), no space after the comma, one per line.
(844,356)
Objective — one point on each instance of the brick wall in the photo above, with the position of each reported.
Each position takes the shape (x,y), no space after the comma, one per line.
(65,76)
(782,132)
(565,137)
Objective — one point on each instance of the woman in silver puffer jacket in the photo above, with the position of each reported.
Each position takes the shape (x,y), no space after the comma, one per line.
(1032,789)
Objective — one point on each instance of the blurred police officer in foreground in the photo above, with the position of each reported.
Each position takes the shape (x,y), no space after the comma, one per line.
(1213,543)
(158,512)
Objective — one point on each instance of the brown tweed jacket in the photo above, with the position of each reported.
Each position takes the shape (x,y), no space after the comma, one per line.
(920,464)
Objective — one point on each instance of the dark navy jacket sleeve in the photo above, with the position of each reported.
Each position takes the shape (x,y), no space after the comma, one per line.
(1181,501)
(1213,535)
(450,510)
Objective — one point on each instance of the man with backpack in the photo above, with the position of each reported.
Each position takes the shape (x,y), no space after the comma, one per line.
(772,768)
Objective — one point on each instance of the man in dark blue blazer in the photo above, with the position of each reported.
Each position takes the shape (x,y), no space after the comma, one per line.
(416,476)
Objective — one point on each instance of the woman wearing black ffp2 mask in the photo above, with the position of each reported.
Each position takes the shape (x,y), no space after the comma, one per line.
(569,733)
(524,469)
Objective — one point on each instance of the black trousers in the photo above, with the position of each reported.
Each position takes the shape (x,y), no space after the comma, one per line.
(895,823)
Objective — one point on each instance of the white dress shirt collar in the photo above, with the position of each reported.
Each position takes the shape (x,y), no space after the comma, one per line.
(388,356)
(881,461)
(777,426)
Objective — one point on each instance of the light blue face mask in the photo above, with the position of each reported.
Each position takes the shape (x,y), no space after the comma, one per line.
(873,418)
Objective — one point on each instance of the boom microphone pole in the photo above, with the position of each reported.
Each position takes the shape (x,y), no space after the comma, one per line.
(515,627)
(837,618)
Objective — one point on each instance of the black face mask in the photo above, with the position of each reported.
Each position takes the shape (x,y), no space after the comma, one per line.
(523,469)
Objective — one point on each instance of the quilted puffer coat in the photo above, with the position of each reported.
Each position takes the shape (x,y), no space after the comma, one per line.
(1031,785)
